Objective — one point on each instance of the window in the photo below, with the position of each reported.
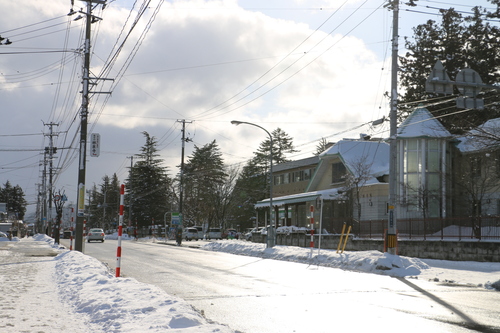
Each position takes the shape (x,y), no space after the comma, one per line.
(307,174)
(422,175)
(286,178)
(475,167)
(338,172)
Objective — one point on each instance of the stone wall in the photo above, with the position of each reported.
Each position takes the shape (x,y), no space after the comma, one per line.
(444,250)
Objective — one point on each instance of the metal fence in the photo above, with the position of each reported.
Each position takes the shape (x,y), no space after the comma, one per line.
(472,228)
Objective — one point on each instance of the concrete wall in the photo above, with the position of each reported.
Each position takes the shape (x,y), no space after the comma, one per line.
(444,250)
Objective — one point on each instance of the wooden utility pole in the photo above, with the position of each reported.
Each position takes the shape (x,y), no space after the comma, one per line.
(391,239)
(181,183)
(80,211)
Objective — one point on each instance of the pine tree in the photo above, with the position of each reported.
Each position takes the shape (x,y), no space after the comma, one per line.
(282,145)
(13,196)
(251,186)
(105,203)
(148,186)
(321,146)
(459,42)
(204,180)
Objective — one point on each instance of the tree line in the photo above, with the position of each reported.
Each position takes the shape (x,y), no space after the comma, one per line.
(215,194)
(219,194)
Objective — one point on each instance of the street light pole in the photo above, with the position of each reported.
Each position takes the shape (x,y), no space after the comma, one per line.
(271,238)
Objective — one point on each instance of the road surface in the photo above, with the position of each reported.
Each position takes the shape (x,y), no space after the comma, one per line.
(254,295)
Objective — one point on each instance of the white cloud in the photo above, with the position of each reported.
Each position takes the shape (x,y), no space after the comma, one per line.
(201,61)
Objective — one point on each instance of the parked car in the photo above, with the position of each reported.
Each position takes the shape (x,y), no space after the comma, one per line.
(214,233)
(190,234)
(200,231)
(230,234)
(95,234)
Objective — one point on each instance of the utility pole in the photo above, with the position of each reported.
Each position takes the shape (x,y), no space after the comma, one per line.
(393,152)
(80,212)
(181,183)
(130,198)
(50,150)
(44,193)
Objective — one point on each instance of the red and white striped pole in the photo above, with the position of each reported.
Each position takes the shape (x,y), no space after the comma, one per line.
(120,229)
(71,239)
(311,244)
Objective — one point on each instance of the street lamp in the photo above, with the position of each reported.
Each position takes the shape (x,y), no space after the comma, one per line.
(271,232)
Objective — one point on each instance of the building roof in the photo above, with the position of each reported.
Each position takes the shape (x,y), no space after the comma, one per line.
(422,124)
(374,154)
(330,194)
(296,164)
(484,137)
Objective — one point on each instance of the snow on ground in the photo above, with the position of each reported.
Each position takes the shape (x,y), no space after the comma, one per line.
(46,288)
(77,293)
(483,274)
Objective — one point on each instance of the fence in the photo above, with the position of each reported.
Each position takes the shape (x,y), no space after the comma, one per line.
(475,228)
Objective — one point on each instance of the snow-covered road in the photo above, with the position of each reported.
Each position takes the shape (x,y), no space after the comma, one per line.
(255,295)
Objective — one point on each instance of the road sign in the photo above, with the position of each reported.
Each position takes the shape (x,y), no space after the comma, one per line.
(468,82)
(176,219)
(439,82)
(95,144)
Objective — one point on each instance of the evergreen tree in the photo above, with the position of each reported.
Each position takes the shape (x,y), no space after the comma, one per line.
(13,196)
(459,42)
(251,186)
(105,203)
(321,146)
(282,145)
(204,191)
(93,220)
(148,186)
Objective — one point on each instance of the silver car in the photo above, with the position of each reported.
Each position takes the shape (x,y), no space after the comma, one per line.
(95,234)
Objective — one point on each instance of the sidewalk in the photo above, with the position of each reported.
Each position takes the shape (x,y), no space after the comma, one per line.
(50,290)
(28,296)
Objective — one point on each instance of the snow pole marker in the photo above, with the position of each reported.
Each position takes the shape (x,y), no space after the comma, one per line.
(71,239)
(311,243)
(84,234)
(120,230)
(341,238)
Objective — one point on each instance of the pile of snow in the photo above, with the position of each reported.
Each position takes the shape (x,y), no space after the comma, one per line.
(479,274)
(115,236)
(121,304)
(362,261)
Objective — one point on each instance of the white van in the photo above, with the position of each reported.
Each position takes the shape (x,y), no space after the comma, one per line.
(190,234)
(200,231)
(214,233)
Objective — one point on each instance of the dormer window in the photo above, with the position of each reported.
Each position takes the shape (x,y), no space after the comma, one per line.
(338,172)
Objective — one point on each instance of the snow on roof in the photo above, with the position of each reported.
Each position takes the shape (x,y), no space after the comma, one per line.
(421,124)
(330,194)
(484,137)
(374,154)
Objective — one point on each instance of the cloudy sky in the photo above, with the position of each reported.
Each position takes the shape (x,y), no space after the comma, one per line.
(316,69)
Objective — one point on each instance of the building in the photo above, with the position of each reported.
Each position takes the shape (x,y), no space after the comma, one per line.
(441,178)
